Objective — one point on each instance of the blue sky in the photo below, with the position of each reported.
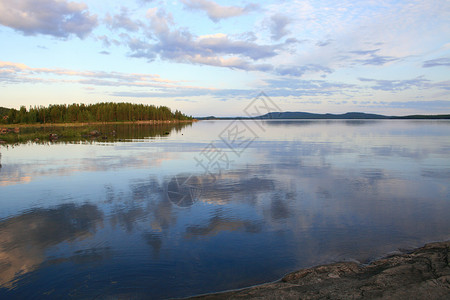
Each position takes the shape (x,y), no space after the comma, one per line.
(209,57)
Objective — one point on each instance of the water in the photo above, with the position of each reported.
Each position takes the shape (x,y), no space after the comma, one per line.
(144,218)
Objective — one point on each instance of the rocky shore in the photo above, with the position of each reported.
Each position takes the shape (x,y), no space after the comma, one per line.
(422,274)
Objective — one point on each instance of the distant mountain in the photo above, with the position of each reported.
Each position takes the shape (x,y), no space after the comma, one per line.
(220,118)
(424,117)
(304,115)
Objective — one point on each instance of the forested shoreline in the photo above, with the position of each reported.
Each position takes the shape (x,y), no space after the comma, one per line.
(82,113)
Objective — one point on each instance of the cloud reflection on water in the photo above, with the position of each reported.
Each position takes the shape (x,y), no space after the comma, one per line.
(25,238)
(295,202)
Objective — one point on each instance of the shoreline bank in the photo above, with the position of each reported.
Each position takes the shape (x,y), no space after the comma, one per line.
(421,274)
(75,132)
(156,122)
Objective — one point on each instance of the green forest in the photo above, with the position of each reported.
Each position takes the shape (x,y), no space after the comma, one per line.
(100,112)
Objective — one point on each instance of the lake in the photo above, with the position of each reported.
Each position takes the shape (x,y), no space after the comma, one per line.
(216,205)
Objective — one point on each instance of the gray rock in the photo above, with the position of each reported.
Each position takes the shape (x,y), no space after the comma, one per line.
(422,274)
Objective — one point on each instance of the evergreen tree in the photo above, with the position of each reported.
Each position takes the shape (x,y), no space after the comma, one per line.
(100,112)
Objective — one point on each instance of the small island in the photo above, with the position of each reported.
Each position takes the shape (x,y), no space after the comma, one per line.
(81,122)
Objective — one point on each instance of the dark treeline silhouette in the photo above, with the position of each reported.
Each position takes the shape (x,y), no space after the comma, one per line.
(100,112)
(4,111)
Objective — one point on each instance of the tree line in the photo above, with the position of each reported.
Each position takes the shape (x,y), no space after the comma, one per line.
(100,112)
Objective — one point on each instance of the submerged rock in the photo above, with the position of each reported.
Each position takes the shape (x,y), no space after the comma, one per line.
(422,274)
(94,133)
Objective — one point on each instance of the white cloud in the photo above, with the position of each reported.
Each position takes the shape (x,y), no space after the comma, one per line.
(215,11)
(58,18)
(180,45)
(122,20)
(398,29)
(277,25)
(298,71)
(437,62)
(397,85)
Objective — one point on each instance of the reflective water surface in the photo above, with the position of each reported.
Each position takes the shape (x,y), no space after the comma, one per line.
(217,205)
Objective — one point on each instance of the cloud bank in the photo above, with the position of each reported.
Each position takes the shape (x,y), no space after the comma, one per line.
(180,45)
(11,72)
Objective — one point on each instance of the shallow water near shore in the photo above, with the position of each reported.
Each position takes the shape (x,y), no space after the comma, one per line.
(216,205)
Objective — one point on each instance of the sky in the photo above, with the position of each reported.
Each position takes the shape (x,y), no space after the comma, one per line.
(211,57)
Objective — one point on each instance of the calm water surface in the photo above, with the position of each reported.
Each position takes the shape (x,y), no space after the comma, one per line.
(217,205)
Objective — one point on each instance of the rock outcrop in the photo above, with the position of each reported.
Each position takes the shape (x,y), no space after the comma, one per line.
(422,274)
